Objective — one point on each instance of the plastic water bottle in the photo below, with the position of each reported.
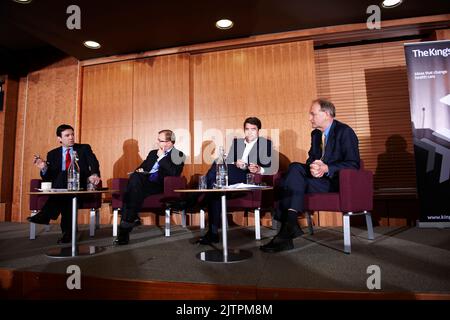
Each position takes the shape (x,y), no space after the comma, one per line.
(221,170)
(73,174)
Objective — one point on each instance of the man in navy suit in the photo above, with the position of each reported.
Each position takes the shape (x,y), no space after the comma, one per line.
(334,146)
(253,154)
(148,179)
(54,170)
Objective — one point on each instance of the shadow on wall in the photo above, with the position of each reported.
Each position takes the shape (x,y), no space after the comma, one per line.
(390,121)
(393,160)
(129,160)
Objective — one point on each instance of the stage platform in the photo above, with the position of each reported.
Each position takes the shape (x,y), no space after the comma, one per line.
(414,264)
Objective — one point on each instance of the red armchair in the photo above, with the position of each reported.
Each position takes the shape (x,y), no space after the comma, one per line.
(92,202)
(154,202)
(355,197)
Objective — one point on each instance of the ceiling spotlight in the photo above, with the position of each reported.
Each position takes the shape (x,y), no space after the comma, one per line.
(92,44)
(391,3)
(23,1)
(224,24)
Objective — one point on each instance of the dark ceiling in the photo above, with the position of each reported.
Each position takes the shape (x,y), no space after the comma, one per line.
(34,34)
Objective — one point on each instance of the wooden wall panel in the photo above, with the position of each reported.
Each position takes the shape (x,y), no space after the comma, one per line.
(161,101)
(275,83)
(18,154)
(8,129)
(106,117)
(50,100)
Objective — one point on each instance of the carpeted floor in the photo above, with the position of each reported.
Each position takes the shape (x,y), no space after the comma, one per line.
(410,259)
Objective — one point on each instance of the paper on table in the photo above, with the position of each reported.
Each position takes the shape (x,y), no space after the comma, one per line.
(243,186)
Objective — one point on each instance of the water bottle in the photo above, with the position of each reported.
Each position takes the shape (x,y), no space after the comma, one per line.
(73,174)
(221,170)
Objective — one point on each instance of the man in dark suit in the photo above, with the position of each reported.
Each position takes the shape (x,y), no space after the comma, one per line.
(148,179)
(253,154)
(334,146)
(54,170)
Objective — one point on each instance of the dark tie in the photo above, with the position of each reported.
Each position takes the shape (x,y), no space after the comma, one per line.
(68,159)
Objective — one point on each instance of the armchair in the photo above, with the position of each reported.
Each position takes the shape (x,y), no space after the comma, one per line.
(355,197)
(153,202)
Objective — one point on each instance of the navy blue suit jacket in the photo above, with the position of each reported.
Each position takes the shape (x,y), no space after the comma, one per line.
(87,161)
(341,150)
(171,165)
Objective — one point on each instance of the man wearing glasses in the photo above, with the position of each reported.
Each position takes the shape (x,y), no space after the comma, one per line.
(148,179)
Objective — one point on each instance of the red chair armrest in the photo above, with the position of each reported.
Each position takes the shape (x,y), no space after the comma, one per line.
(356,190)
(117,197)
(172,183)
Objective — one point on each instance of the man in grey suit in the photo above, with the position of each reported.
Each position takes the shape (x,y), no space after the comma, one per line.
(252,154)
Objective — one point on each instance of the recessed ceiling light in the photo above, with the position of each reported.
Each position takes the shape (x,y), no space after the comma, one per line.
(224,24)
(391,3)
(91,44)
(23,1)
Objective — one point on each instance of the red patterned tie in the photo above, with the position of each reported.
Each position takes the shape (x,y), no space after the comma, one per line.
(68,159)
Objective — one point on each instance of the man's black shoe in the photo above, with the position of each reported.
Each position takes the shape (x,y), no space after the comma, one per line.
(66,238)
(290,231)
(208,238)
(123,238)
(39,218)
(277,245)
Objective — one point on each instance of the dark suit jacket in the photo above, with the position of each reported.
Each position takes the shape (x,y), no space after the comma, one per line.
(87,162)
(341,150)
(261,153)
(171,165)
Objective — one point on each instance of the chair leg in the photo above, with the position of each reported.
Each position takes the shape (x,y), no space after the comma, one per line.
(92,214)
(183,218)
(167,225)
(115,218)
(346,226)
(257,225)
(97,218)
(309,221)
(369,225)
(274,221)
(33,226)
(202,219)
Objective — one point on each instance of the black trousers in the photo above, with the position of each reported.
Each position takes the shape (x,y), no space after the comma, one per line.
(138,188)
(56,205)
(235,175)
(295,184)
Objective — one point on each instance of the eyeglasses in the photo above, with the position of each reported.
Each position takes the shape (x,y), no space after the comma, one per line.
(163,140)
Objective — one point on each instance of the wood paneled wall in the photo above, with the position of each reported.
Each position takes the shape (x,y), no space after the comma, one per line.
(275,83)
(123,105)
(7,137)
(47,98)
(369,87)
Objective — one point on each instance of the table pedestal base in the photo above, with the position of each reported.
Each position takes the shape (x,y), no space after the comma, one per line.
(80,250)
(234,255)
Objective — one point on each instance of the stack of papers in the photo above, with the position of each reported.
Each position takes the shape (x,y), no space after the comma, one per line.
(244,186)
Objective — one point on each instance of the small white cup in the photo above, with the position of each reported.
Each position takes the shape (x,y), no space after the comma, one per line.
(46,185)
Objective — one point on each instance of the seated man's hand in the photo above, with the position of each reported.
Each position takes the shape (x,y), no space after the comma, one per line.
(95,179)
(241,164)
(318,169)
(139,170)
(254,168)
(39,162)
